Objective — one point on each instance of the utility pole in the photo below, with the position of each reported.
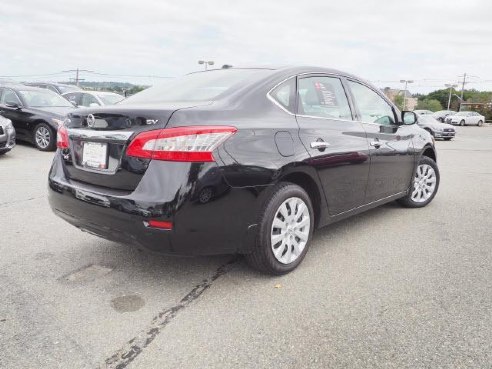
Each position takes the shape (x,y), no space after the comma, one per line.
(451,86)
(77,71)
(463,85)
(406,82)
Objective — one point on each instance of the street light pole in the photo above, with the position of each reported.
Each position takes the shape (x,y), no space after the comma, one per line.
(206,63)
(406,82)
(451,86)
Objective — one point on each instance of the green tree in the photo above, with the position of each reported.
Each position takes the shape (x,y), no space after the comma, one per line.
(398,100)
(429,104)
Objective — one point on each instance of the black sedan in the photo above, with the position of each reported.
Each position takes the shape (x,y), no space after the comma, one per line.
(35,113)
(247,161)
(59,88)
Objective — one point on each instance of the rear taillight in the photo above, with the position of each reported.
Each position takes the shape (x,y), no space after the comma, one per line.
(62,138)
(193,143)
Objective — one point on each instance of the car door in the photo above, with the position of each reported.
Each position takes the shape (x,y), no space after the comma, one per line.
(15,114)
(336,143)
(391,148)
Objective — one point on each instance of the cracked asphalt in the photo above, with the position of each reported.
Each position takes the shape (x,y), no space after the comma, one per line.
(391,288)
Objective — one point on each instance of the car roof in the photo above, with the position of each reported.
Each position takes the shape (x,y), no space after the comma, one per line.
(20,86)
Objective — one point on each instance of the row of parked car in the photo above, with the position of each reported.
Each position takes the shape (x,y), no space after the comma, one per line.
(34,111)
(37,109)
(440,123)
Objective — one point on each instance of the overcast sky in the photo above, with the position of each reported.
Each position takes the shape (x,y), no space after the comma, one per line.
(432,42)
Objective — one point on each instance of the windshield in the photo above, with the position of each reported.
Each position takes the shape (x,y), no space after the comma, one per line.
(43,98)
(462,113)
(110,99)
(65,89)
(203,86)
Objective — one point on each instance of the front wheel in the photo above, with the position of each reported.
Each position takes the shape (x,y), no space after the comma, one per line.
(462,123)
(285,229)
(425,184)
(480,123)
(44,137)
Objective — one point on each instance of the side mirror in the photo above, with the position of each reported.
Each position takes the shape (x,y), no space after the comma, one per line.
(12,105)
(408,117)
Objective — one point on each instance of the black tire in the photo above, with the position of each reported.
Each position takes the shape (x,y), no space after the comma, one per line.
(462,123)
(448,138)
(262,257)
(480,123)
(407,201)
(51,146)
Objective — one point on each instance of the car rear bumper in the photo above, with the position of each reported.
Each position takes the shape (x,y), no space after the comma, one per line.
(444,134)
(7,141)
(208,216)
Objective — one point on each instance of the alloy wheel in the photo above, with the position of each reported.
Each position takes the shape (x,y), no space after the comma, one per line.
(290,230)
(424,183)
(43,137)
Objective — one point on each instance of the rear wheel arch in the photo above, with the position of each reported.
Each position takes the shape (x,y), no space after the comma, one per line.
(308,184)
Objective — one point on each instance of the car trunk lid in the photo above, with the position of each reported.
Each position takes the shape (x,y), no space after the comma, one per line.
(98,139)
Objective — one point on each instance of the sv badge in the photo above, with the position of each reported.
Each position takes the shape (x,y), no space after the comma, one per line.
(152,121)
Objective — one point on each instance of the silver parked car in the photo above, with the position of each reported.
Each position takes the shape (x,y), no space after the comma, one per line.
(465,118)
(442,114)
(436,128)
(92,98)
(7,135)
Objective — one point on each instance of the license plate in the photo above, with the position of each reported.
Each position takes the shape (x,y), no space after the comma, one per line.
(95,155)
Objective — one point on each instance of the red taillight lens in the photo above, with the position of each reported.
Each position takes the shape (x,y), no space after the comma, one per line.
(152,223)
(62,138)
(193,143)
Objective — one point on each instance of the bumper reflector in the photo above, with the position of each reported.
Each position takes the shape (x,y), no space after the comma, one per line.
(158,224)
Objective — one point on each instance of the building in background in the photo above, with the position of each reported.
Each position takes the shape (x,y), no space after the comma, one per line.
(397,97)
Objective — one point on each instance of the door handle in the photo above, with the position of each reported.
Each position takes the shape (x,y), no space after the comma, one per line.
(376,144)
(319,145)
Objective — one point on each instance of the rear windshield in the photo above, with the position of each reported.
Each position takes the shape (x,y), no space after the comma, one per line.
(203,86)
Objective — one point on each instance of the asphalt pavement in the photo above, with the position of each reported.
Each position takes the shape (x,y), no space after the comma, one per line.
(391,288)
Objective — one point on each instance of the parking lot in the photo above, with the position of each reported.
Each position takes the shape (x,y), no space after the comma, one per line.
(391,288)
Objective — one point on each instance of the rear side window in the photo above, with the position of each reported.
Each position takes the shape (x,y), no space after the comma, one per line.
(372,107)
(284,94)
(323,97)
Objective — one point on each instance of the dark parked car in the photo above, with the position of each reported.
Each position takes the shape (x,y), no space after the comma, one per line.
(7,135)
(92,98)
(247,161)
(436,128)
(59,88)
(36,113)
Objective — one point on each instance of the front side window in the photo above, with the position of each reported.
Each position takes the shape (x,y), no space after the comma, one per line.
(372,107)
(323,97)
